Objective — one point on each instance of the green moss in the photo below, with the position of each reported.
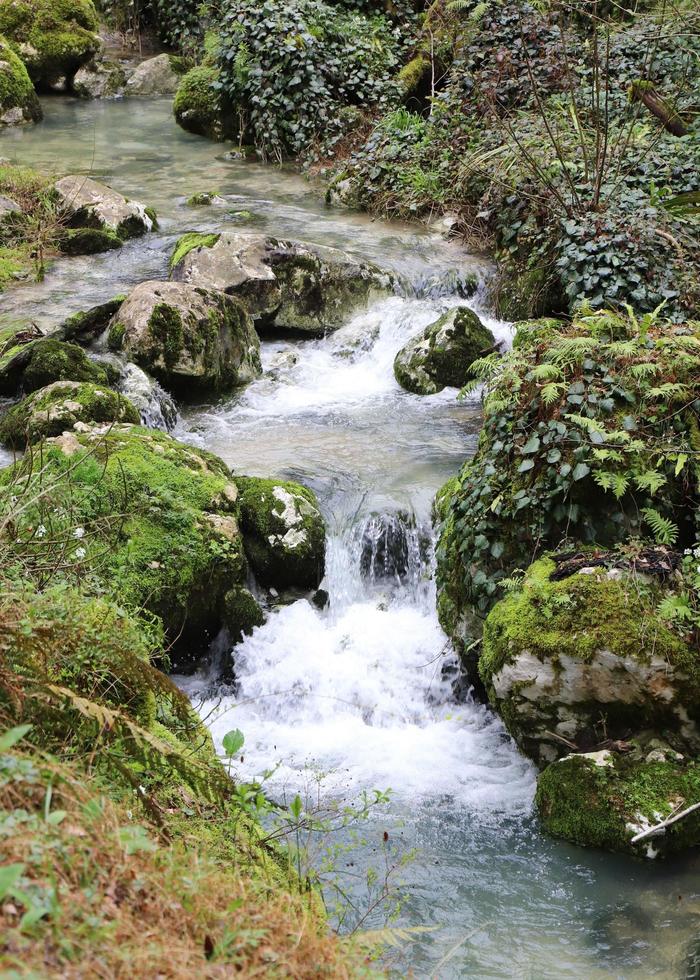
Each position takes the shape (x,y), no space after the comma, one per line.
(242,613)
(605,805)
(89,324)
(284,532)
(52,410)
(88,241)
(165,326)
(53,37)
(198,106)
(413,73)
(198,200)
(16,89)
(54,360)
(185,244)
(115,337)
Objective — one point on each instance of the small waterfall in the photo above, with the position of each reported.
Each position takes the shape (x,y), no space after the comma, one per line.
(156,407)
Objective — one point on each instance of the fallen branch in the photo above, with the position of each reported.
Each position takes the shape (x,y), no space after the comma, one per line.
(660,828)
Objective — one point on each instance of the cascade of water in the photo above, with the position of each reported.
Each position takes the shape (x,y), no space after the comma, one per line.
(156,407)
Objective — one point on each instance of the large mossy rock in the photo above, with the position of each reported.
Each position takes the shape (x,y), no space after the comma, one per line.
(28,364)
(603,799)
(163,518)
(198,105)
(575,659)
(18,101)
(86,203)
(52,37)
(155,76)
(100,80)
(285,536)
(187,337)
(56,408)
(441,355)
(590,436)
(284,285)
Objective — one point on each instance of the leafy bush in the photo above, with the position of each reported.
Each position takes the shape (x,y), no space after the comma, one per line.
(289,68)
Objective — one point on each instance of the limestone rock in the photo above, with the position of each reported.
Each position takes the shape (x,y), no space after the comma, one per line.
(284,532)
(87,203)
(441,355)
(155,76)
(187,337)
(284,285)
(100,80)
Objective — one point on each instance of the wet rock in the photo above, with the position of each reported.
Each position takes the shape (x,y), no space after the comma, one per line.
(29,364)
(391,547)
(155,76)
(587,658)
(87,325)
(284,532)
(187,337)
(18,101)
(199,107)
(604,799)
(57,407)
(100,80)
(87,241)
(284,285)
(53,39)
(441,356)
(88,204)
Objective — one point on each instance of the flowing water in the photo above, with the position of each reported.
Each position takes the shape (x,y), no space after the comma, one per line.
(361,690)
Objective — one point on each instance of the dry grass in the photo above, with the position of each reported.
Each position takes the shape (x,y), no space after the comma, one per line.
(119,902)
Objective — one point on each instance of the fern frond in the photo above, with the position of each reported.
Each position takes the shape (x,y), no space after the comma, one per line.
(663,529)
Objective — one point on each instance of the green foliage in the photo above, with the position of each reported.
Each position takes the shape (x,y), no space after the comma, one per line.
(289,69)
(577,444)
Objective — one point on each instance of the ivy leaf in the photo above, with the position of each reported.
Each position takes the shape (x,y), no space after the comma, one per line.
(580,470)
(527,464)
(531,446)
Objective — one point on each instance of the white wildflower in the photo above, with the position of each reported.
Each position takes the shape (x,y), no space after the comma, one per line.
(79,532)
(80,553)
(41,531)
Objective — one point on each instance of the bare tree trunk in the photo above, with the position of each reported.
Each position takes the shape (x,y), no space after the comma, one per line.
(645,93)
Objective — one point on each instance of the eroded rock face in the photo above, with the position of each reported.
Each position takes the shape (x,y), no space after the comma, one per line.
(59,406)
(604,799)
(441,356)
(87,203)
(155,76)
(187,336)
(584,659)
(284,532)
(284,285)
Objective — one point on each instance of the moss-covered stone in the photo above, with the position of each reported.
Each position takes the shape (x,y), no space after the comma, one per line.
(87,325)
(38,363)
(162,516)
(88,241)
(190,240)
(603,799)
(56,408)
(284,532)
(585,658)
(52,37)
(86,203)
(199,107)
(191,339)
(18,101)
(441,355)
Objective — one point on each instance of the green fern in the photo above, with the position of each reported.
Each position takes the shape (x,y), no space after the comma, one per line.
(663,529)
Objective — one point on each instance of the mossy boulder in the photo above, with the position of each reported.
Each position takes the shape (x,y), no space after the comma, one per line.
(87,241)
(52,37)
(603,799)
(199,107)
(441,355)
(37,363)
(56,408)
(163,518)
(86,203)
(284,285)
(285,535)
(18,101)
(588,438)
(579,659)
(87,325)
(100,80)
(189,338)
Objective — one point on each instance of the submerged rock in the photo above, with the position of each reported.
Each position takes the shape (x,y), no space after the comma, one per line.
(285,536)
(57,407)
(586,658)
(36,363)
(441,356)
(392,547)
(87,241)
(155,76)
(88,204)
(284,285)
(603,799)
(187,336)
(18,101)
(54,38)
